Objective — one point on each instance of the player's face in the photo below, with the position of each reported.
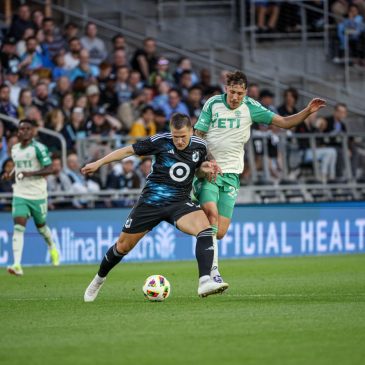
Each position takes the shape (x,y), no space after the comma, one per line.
(235,95)
(25,132)
(181,137)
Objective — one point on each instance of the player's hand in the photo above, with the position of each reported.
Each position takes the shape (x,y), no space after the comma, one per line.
(211,169)
(90,168)
(316,104)
(5,176)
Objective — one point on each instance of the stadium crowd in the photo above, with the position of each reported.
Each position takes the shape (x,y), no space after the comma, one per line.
(71,81)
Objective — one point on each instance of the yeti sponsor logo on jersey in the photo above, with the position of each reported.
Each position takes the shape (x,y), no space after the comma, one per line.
(226,123)
(195,156)
(179,171)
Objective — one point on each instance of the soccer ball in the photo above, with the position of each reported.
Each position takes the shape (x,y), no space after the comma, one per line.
(156,288)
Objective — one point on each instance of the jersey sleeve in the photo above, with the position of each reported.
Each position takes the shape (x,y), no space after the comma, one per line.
(203,156)
(42,155)
(259,114)
(205,117)
(148,146)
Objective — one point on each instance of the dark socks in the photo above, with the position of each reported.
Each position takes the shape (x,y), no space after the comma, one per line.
(204,251)
(111,258)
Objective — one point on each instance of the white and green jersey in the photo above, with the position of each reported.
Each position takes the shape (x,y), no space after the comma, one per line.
(229,129)
(31,158)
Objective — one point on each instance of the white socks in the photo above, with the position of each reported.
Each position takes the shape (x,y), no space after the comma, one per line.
(18,243)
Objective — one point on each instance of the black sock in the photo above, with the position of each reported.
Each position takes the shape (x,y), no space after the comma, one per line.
(111,258)
(204,251)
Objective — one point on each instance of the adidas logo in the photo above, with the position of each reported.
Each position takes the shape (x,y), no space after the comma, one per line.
(171,151)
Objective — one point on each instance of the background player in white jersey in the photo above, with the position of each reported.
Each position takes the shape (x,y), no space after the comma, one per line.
(225,123)
(32,164)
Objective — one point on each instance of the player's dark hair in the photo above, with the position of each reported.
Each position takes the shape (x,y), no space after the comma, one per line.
(236,78)
(29,121)
(179,121)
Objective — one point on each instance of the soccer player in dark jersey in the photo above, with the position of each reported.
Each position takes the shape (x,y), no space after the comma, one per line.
(179,155)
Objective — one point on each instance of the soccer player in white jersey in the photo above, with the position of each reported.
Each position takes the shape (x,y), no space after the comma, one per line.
(32,164)
(225,123)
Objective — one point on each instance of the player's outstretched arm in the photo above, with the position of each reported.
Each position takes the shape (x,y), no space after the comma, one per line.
(293,120)
(116,155)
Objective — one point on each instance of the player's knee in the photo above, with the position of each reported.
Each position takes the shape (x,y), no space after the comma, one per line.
(123,247)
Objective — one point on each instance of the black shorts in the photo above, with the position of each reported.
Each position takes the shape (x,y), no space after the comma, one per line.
(144,217)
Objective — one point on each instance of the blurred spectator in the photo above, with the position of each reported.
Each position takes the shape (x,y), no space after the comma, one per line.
(9,58)
(119,42)
(194,103)
(7,166)
(93,44)
(135,82)
(122,87)
(290,100)
(174,104)
(81,102)
(58,182)
(130,111)
(326,156)
(41,100)
(145,60)
(25,101)
(60,66)
(74,129)
(267,15)
(6,144)
(149,94)
(3,144)
(85,70)
(12,80)
(185,83)
(98,125)
(354,26)
(21,21)
(267,100)
(21,44)
(109,98)
(105,74)
(67,103)
(163,95)
(6,107)
(205,80)
(71,31)
(184,64)
(161,73)
(144,126)
(161,122)
(93,98)
(144,169)
(37,18)
(31,59)
(119,59)
(55,120)
(222,81)
(62,87)
(53,39)
(124,177)
(72,57)
(253,91)
(79,182)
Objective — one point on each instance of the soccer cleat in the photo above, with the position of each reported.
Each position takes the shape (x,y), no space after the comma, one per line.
(209,287)
(216,276)
(92,290)
(15,270)
(55,256)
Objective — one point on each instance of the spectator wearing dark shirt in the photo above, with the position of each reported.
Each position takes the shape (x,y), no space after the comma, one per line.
(74,129)
(8,57)
(21,21)
(41,100)
(194,103)
(6,107)
(145,60)
(53,39)
(290,100)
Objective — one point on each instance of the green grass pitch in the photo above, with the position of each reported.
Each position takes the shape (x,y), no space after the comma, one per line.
(308,310)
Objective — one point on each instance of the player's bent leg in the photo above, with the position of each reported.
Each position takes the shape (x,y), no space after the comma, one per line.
(45,232)
(196,223)
(113,256)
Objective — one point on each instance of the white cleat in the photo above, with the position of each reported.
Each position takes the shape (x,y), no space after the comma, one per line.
(92,290)
(15,270)
(209,287)
(216,276)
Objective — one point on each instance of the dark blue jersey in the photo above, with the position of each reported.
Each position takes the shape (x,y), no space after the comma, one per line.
(173,170)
